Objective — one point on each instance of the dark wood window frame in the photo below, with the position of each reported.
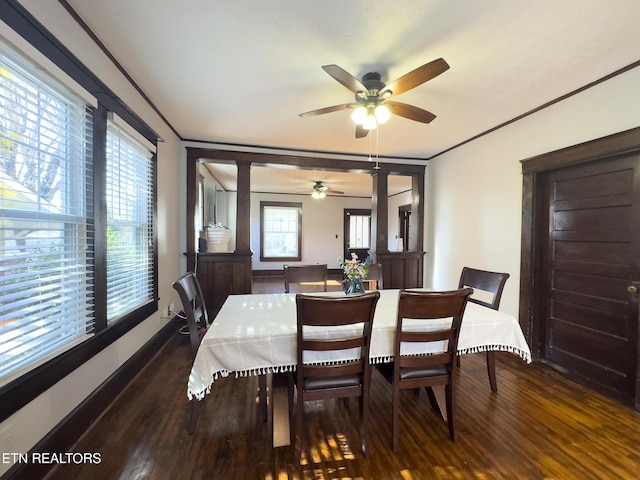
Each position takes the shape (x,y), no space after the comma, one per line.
(19,392)
(291,205)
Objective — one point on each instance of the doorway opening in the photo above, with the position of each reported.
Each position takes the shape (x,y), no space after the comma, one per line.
(357,232)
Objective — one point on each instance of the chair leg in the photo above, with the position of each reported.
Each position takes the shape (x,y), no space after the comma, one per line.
(196,408)
(364,420)
(451,414)
(491,370)
(262,397)
(299,411)
(395,420)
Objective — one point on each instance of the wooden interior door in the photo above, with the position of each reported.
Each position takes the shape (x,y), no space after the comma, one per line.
(591,259)
(357,240)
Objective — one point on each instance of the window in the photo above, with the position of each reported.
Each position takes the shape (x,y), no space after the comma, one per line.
(280,231)
(77,234)
(359,231)
(129,223)
(46,272)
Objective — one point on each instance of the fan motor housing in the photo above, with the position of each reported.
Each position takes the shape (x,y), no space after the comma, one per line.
(373,82)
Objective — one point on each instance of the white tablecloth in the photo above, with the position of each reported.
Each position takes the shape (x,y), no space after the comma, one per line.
(256,334)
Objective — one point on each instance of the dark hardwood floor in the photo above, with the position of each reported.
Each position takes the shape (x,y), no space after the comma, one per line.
(539,425)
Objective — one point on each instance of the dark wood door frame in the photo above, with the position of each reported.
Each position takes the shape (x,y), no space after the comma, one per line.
(533,171)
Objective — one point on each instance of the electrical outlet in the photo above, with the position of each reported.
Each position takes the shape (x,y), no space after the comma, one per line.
(171,308)
(166,312)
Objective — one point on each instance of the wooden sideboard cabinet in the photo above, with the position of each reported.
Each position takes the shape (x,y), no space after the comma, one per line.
(221,275)
(401,269)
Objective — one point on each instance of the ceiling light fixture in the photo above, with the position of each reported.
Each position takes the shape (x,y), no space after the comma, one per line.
(370,115)
(317,192)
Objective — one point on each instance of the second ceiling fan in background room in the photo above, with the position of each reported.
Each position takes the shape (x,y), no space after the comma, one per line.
(372,105)
(320,190)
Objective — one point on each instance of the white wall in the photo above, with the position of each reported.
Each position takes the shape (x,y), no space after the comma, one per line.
(475,191)
(322,227)
(20,432)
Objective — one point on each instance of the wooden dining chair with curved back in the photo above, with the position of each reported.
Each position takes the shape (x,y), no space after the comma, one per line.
(426,340)
(195,312)
(311,275)
(194,308)
(490,285)
(375,275)
(328,326)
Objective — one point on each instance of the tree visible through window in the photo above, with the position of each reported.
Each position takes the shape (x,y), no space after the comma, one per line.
(280,231)
(46,273)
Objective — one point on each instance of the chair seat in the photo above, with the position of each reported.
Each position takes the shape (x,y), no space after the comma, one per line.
(319,383)
(407,373)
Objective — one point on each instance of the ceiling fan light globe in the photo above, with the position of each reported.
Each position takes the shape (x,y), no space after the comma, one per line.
(370,123)
(359,115)
(382,114)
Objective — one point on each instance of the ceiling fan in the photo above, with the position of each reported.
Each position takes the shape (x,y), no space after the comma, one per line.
(372,105)
(319,190)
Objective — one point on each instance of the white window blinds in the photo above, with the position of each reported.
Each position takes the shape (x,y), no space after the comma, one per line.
(129,223)
(46,277)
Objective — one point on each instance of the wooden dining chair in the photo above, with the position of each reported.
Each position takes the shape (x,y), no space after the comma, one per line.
(375,275)
(194,308)
(424,353)
(326,328)
(312,275)
(195,312)
(488,288)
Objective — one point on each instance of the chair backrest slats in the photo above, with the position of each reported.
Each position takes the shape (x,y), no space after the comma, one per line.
(305,273)
(427,307)
(492,282)
(320,319)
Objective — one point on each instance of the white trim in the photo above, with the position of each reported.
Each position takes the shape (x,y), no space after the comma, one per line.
(132,132)
(31,54)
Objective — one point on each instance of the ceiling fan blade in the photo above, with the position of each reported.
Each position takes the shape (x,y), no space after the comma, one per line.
(410,112)
(335,192)
(361,132)
(322,111)
(345,78)
(416,77)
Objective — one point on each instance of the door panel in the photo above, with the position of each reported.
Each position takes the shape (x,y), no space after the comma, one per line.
(591,257)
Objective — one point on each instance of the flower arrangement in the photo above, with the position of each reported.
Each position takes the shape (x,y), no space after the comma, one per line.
(354,268)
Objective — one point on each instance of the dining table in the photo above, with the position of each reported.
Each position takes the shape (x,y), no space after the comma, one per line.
(255,334)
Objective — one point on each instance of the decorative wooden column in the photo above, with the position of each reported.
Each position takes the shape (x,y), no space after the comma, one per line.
(192,192)
(399,269)
(243,209)
(380,214)
(220,274)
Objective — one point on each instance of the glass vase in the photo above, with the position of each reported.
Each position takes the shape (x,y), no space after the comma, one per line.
(353,286)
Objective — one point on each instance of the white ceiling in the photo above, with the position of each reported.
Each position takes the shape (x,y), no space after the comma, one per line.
(241,72)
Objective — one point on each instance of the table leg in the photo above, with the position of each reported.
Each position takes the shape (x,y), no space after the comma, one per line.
(280,410)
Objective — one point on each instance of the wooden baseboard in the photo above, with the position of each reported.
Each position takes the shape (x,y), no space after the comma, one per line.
(64,435)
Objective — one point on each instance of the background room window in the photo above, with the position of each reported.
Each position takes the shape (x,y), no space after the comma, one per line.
(46,273)
(130,202)
(280,231)
(359,231)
